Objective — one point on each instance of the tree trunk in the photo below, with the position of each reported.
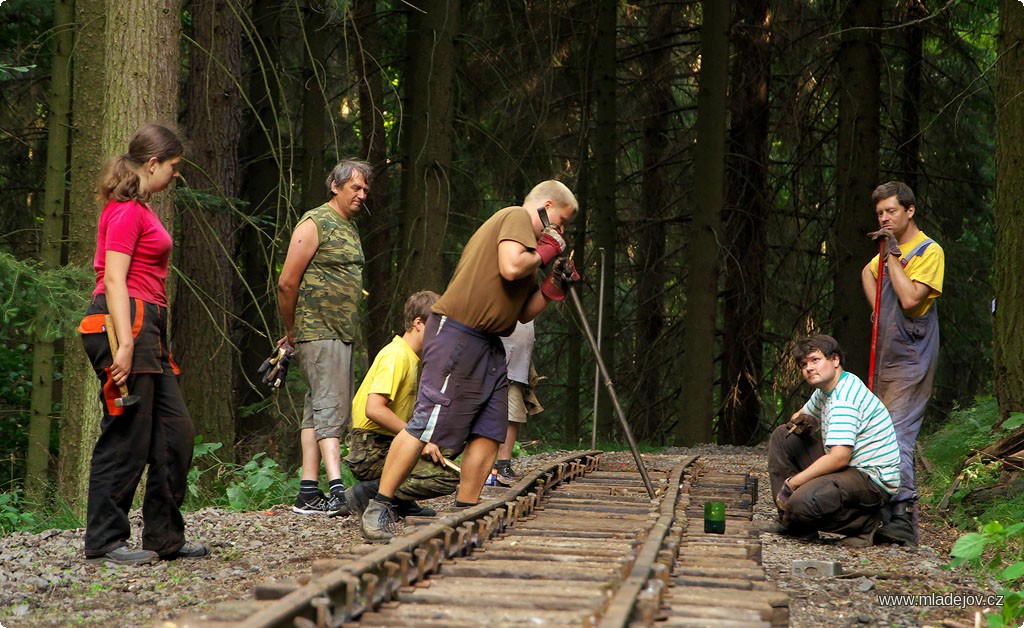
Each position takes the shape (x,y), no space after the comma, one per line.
(856,175)
(377,234)
(204,307)
(313,170)
(747,211)
(650,268)
(696,404)
(143,40)
(38,457)
(128,99)
(1008,341)
(604,177)
(81,409)
(910,124)
(426,183)
(266,230)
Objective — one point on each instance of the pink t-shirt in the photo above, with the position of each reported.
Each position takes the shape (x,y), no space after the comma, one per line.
(133,229)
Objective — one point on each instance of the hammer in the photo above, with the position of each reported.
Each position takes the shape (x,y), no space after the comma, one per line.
(125,399)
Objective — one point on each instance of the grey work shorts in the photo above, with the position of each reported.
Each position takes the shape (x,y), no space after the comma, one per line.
(463,387)
(327,367)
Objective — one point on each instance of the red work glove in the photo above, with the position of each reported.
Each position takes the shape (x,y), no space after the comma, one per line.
(563,274)
(550,245)
(892,246)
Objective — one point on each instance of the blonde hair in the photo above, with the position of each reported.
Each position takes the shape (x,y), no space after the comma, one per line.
(556,191)
(120,180)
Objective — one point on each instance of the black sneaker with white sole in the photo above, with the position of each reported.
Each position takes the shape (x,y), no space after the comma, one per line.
(314,504)
(506,476)
(337,506)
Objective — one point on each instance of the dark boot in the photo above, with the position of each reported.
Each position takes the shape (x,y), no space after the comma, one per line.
(411,509)
(900,528)
(358,496)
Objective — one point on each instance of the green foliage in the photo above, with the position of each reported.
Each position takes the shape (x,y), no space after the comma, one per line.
(966,431)
(49,301)
(11,71)
(257,484)
(13,516)
(952,452)
(1015,420)
(995,550)
(15,394)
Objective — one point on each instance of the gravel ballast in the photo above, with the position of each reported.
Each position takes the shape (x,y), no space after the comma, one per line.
(45,581)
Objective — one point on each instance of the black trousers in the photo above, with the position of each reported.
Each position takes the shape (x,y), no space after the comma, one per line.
(846,502)
(156,431)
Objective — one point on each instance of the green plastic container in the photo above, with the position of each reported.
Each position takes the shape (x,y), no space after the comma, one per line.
(714,517)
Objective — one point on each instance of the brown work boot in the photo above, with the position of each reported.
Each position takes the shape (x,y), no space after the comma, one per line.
(379,522)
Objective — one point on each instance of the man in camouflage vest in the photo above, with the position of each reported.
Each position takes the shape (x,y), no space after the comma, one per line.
(318,296)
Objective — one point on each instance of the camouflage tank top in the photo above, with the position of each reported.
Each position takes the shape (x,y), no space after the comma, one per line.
(329,293)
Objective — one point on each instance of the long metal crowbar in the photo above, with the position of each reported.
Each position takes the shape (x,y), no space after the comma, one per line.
(611,391)
(543,215)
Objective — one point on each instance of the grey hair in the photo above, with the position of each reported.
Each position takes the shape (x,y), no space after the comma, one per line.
(343,172)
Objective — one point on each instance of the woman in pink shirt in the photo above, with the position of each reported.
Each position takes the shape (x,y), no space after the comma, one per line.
(132,253)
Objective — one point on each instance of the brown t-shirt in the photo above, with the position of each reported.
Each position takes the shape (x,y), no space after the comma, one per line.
(477,295)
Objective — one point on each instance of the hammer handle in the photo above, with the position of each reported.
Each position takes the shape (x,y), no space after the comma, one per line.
(108,322)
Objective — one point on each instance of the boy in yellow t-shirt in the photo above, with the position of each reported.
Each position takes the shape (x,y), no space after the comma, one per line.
(380,409)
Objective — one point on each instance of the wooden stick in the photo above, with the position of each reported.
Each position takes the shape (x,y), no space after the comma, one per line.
(451,465)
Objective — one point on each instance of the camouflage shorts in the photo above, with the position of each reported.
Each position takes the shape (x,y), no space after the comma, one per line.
(366,454)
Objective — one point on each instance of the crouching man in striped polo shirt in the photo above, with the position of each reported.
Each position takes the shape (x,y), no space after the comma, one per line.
(836,463)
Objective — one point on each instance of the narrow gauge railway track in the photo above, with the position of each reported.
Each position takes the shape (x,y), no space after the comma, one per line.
(572,544)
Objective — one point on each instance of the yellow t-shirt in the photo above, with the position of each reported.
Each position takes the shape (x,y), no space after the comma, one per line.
(394,374)
(928,268)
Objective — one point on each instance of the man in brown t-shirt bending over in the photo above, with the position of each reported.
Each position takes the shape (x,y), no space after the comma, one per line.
(463,390)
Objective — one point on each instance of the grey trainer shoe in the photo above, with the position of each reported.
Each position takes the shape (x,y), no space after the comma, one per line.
(191,549)
(125,555)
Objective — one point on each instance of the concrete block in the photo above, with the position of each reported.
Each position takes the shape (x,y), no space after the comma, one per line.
(816,568)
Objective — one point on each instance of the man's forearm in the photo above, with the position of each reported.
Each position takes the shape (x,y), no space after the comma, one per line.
(286,300)
(831,462)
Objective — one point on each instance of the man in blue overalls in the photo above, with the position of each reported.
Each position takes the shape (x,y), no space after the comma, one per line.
(908,337)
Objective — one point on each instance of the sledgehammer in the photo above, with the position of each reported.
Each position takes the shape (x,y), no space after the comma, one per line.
(125,399)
